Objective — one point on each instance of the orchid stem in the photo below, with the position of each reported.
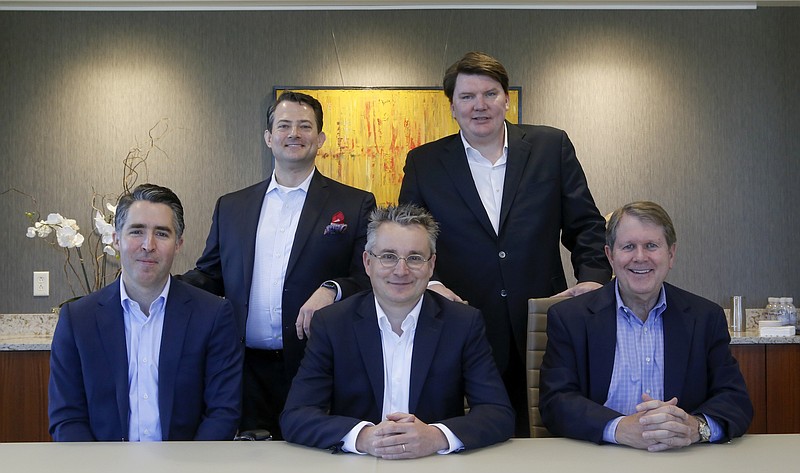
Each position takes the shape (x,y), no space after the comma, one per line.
(83,268)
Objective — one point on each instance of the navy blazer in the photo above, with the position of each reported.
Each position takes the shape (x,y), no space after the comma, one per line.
(226,266)
(340,381)
(199,372)
(579,358)
(545,197)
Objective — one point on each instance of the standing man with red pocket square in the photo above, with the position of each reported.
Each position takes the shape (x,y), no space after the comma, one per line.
(280,250)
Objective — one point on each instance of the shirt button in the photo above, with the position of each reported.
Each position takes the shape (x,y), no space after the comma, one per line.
(647,391)
(647,359)
(146,397)
(502,254)
(503,293)
(147,431)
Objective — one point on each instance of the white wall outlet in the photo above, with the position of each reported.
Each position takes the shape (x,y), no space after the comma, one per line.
(41,283)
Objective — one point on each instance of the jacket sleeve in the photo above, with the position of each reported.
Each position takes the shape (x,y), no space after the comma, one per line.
(223,379)
(207,273)
(583,228)
(727,400)
(305,419)
(566,409)
(68,407)
(490,418)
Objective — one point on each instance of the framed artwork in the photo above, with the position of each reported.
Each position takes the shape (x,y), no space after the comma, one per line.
(370,131)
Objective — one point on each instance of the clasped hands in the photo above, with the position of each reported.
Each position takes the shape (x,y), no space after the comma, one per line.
(401,436)
(657,426)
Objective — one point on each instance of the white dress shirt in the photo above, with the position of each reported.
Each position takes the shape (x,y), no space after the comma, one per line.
(397,354)
(489,178)
(277,225)
(143,339)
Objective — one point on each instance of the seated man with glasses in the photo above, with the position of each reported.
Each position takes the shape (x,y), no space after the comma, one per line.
(386,371)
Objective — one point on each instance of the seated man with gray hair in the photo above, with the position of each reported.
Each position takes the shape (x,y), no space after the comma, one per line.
(386,371)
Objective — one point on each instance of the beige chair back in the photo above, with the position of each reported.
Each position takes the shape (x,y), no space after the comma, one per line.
(537,340)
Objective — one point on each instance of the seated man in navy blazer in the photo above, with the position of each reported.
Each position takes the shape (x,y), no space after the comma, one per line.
(641,362)
(386,371)
(147,358)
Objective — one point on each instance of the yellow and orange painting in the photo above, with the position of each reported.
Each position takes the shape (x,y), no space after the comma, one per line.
(370,130)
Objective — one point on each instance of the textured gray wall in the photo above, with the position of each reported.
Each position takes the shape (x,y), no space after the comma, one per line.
(697,110)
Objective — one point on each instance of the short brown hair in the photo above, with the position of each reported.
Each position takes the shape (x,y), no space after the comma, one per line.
(477,63)
(645,211)
(296,97)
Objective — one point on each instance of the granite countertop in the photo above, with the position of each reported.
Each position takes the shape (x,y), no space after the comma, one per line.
(26,332)
(34,332)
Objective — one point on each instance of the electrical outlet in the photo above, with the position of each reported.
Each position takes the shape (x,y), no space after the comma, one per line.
(41,283)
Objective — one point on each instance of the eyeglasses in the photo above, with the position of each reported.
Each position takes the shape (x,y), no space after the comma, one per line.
(390,260)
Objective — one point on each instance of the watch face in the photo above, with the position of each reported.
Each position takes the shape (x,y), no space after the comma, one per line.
(705,430)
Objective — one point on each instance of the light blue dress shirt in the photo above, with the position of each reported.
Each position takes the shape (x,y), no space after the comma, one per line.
(639,364)
(143,338)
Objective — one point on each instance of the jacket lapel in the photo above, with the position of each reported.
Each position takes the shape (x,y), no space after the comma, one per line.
(111,326)
(426,341)
(312,209)
(248,229)
(368,338)
(601,328)
(176,321)
(454,161)
(518,154)
(678,332)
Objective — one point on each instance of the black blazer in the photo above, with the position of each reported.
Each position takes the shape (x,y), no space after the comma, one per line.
(698,366)
(545,198)
(226,266)
(340,382)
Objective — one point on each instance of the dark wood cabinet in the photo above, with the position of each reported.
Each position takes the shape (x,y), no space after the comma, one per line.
(23,396)
(772,374)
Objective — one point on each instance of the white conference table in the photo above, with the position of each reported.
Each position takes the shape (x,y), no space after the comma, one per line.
(750,454)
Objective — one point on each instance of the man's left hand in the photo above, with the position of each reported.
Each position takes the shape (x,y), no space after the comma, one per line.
(580,288)
(322,297)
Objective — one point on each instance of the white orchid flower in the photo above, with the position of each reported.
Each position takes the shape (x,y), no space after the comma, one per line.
(111,208)
(68,237)
(105,229)
(68,222)
(109,250)
(53,219)
(42,229)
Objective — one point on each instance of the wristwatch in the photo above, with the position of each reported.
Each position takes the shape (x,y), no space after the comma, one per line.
(703,429)
(333,287)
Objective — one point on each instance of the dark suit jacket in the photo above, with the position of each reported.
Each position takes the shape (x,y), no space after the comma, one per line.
(545,197)
(199,372)
(226,266)
(340,381)
(698,366)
